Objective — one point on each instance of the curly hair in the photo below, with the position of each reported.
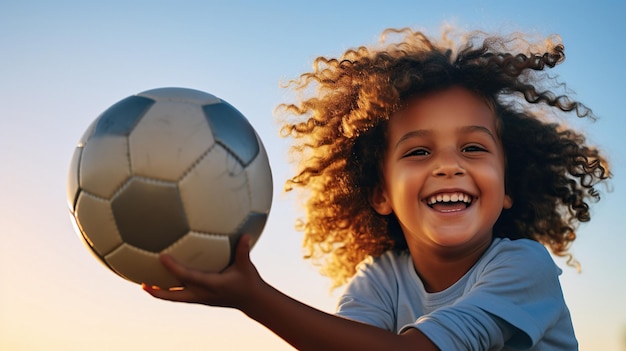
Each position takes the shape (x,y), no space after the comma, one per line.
(339,127)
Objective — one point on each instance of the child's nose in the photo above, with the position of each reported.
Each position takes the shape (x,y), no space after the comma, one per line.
(448,164)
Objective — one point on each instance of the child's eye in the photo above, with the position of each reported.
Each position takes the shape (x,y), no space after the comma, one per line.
(417,152)
(473,148)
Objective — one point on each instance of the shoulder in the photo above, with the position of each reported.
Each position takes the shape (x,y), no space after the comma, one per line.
(372,294)
(384,275)
(520,255)
(516,275)
(519,246)
(518,281)
(387,261)
(517,272)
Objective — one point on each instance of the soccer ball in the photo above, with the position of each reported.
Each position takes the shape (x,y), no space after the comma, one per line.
(169,170)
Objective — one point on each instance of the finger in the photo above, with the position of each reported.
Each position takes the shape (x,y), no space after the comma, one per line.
(177,295)
(242,251)
(185,274)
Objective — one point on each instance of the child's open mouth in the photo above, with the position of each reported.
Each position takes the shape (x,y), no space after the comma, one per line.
(449,202)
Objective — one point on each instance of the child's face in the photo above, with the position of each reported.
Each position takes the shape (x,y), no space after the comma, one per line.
(444,171)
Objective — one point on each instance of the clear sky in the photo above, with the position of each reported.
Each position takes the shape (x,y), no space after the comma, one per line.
(63,62)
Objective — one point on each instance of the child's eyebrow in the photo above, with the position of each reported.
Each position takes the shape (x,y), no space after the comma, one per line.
(480,129)
(412,134)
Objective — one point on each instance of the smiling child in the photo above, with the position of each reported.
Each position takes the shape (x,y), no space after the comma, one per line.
(437,183)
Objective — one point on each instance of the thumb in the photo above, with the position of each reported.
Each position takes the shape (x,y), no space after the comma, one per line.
(242,251)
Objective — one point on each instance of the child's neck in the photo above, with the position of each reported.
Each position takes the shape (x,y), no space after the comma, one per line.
(439,271)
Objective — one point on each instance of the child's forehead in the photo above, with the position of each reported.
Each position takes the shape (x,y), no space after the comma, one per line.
(459,94)
(455,105)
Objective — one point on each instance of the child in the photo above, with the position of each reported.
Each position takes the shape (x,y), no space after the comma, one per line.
(434,180)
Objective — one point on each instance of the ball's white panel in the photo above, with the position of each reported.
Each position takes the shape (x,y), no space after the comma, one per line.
(104,165)
(205,252)
(140,267)
(181,95)
(72,178)
(168,140)
(215,193)
(260,182)
(95,218)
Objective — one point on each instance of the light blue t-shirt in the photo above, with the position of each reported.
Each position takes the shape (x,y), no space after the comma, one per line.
(514,287)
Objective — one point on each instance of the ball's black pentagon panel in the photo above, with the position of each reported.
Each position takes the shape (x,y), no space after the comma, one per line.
(149,214)
(260,182)
(253,226)
(233,131)
(120,118)
(191,96)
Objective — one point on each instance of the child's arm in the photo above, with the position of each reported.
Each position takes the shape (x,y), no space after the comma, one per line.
(302,326)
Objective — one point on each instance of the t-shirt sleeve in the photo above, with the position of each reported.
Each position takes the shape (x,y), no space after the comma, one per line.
(517,289)
(369,296)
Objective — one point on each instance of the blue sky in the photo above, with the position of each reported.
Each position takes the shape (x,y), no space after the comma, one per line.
(64,62)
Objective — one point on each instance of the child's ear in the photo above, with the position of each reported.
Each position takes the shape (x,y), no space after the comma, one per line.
(380,201)
(508,202)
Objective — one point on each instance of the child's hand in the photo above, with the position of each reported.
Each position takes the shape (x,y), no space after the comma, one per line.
(231,288)
(302,326)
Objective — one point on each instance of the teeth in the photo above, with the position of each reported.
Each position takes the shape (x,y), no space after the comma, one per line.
(453,197)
